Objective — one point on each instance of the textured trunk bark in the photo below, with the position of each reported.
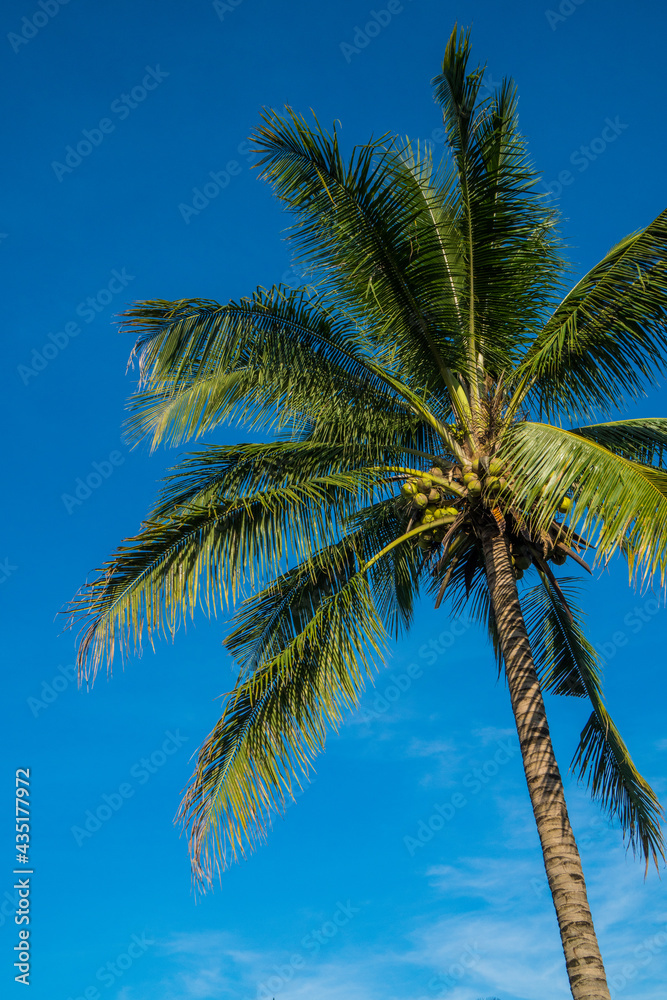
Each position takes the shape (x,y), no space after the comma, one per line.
(545,785)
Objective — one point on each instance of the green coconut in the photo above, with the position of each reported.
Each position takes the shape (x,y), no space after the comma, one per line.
(409,489)
(565,505)
(476,467)
(518,573)
(495,467)
(474,485)
(559,557)
(425,482)
(427,517)
(420,500)
(434,495)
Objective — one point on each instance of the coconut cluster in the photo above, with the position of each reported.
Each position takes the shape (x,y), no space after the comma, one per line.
(484,475)
(429,507)
(481,481)
(524,552)
(522,557)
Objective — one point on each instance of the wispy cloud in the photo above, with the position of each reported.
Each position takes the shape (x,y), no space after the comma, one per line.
(494,933)
(491,734)
(429,748)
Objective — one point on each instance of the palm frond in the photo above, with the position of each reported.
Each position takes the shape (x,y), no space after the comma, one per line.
(222,524)
(276,615)
(364,225)
(609,334)
(642,439)
(508,234)
(274,723)
(267,360)
(567,664)
(622,503)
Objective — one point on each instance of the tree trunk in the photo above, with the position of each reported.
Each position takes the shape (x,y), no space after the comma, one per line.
(545,785)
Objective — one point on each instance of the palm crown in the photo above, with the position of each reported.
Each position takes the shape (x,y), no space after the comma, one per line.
(434,383)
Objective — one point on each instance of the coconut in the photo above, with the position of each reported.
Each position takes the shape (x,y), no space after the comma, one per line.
(420,500)
(518,573)
(492,484)
(559,557)
(408,489)
(433,495)
(435,471)
(476,467)
(425,482)
(565,505)
(474,485)
(495,467)
(523,562)
(427,517)
(451,511)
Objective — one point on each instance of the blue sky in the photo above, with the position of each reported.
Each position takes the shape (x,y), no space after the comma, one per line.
(339,903)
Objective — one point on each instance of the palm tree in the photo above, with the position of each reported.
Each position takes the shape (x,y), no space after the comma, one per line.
(429,400)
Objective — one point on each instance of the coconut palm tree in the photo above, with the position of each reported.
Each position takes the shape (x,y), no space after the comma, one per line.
(442,418)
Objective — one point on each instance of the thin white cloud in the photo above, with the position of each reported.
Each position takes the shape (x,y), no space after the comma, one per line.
(497,936)
(491,734)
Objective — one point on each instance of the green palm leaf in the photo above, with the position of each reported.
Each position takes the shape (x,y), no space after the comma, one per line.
(275,722)
(643,439)
(621,502)
(507,233)
(364,224)
(202,363)
(609,331)
(228,518)
(568,665)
